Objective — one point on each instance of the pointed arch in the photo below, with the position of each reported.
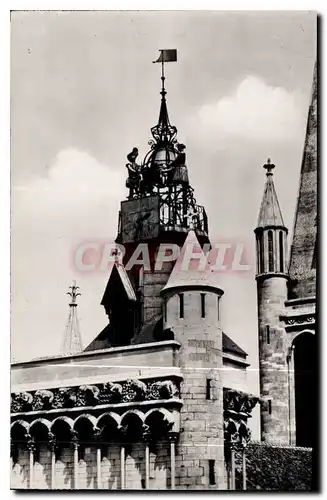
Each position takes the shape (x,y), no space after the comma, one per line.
(109,416)
(42,422)
(20,424)
(85,416)
(69,422)
(132,414)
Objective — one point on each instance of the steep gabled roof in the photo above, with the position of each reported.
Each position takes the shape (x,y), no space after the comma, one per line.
(187,271)
(118,272)
(270,213)
(302,268)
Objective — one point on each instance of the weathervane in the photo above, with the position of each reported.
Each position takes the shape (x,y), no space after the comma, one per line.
(269,167)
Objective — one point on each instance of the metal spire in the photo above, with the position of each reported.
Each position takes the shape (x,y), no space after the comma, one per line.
(72,341)
(163,132)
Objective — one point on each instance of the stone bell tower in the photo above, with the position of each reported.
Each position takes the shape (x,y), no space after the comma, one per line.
(159,210)
(272,277)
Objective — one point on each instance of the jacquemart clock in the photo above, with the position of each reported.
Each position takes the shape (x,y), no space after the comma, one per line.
(140,219)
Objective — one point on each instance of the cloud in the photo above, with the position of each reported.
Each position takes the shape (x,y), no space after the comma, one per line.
(77,190)
(77,201)
(256,111)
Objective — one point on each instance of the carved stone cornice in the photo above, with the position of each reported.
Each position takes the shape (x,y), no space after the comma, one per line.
(299,321)
(130,391)
(238,404)
(237,410)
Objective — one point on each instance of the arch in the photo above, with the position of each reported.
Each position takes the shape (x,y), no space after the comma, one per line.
(66,420)
(163,412)
(304,360)
(111,416)
(41,421)
(132,414)
(86,416)
(20,423)
(298,334)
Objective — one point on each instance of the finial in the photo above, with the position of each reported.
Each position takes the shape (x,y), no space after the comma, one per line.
(269,167)
(73,293)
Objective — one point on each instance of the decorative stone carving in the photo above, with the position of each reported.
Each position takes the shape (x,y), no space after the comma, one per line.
(21,401)
(52,442)
(110,393)
(237,409)
(42,400)
(65,397)
(134,390)
(87,395)
(91,395)
(300,320)
(165,389)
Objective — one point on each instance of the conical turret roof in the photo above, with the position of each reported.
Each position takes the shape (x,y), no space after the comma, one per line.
(191,272)
(270,213)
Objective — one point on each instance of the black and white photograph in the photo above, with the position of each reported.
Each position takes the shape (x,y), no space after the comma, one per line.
(164,250)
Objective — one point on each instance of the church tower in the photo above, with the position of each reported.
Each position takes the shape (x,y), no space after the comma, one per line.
(272,278)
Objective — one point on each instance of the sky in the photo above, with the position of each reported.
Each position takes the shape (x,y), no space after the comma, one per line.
(84,92)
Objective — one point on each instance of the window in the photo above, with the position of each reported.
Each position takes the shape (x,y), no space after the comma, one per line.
(268,334)
(260,249)
(270,251)
(203,305)
(212,475)
(165,309)
(269,406)
(281,252)
(314,259)
(218,308)
(208,388)
(181,305)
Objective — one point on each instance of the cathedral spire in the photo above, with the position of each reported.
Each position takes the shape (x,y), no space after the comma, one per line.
(72,341)
(270,213)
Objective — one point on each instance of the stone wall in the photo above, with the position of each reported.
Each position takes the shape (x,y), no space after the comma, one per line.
(273,360)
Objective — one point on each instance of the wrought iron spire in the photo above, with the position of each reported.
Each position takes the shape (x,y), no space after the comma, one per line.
(163,132)
(72,341)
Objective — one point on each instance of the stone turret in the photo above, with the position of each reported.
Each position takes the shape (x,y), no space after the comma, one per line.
(191,302)
(271,241)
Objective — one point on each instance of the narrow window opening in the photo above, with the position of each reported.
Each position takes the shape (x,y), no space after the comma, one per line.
(165,309)
(270,251)
(218,312)
(281,252)
(208,388)
(212,475)
(203,305)
(314,258)
(261,254)
(181,305)
(268,334)
(143,484)
(269,406)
